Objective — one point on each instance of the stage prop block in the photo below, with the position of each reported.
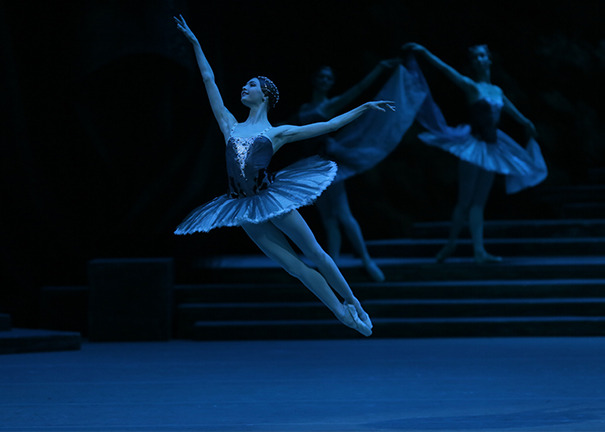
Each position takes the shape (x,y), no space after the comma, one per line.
(130,299)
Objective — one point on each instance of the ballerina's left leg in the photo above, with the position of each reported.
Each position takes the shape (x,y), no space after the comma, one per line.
(483,184)
(294,227)
(275,245)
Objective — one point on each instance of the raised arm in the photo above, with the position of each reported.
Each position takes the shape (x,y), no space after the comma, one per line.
(340,102)
(464,82)
(509,108)
(224,118)
(287,133)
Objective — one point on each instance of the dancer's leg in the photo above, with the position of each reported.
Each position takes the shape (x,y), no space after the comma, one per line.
(294,227)
(340,203)
(467,178)
(329,219)
(483,185)
(274,244)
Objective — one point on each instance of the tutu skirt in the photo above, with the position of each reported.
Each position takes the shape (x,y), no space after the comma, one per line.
(293,187)
(523,167)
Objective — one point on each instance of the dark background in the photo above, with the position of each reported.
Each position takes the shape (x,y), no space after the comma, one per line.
(108,140)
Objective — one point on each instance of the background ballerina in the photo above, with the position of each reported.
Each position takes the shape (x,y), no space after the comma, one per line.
(333,204)
(264,204)
(483,149)
(359,146)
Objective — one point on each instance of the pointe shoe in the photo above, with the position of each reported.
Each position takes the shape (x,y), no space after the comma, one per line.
(363,316)
(445,253)
(485,258)
(374,271)
(351,319)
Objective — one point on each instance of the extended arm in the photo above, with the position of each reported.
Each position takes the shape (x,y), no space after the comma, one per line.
(516,114)
(287,133)
(338,103)
(224,118)
(464,82)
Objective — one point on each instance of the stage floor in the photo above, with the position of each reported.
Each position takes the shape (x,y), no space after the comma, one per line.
(500,384)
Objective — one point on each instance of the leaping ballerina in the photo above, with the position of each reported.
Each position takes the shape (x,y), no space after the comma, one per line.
(265,204)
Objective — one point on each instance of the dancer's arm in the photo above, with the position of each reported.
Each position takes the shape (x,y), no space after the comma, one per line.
(462,81)
(224,118)
(288,133)
(340,102)
(516,114)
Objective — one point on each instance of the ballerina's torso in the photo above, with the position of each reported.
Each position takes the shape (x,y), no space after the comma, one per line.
(485,110)
(247,159)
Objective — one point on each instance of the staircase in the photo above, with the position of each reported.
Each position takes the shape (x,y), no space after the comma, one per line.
(552,283)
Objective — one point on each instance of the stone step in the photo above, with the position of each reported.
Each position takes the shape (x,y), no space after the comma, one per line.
(20,340)
(416,247)
(5,322)
(294,291)
(414,301)
(229,269)
(189,314)
(522,228)
(499,326)
(404,328)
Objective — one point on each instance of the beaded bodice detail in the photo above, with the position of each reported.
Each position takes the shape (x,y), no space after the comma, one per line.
(247,160)
(241,147)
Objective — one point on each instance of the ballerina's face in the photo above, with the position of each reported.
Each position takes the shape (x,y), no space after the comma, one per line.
(324,79)
(252,93)
(480,58)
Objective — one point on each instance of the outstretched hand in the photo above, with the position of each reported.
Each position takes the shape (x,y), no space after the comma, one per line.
(412,46)
(390,63)
(381,105)
(184,28)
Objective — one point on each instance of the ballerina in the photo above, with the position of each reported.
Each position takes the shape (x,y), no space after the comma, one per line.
(483,150)
(333,204)
(264,204)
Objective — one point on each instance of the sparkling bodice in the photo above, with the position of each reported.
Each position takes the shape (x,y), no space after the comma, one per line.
(247,161)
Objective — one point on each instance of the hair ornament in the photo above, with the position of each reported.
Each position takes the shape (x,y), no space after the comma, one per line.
(269,89)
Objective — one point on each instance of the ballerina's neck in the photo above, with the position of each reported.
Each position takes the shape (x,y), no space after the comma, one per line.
(482,76)
(257,114)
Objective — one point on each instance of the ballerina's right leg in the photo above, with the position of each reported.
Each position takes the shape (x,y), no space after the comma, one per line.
(296,229)
(275,245)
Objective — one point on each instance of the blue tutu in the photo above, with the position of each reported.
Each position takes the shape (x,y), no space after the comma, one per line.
(255,194)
